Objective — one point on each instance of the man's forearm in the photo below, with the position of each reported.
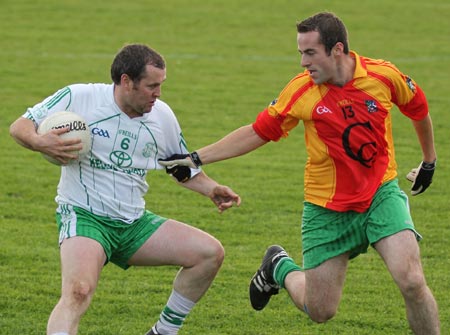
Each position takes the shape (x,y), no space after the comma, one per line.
(424,130)
(237,143)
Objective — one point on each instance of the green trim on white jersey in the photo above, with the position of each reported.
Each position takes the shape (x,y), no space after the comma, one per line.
(111,180)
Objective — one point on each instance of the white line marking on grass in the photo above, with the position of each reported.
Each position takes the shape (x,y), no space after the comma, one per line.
(255,58)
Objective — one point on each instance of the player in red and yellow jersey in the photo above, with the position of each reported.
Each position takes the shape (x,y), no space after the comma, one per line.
(347,130)
(352,197)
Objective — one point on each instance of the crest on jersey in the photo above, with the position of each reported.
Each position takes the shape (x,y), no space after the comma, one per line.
(410,84)
(149,148)
(273,102)
(371,106)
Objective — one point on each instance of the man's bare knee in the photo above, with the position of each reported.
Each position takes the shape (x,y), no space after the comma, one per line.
(413,286)
(80,292)
(321,315)
(215,255)
(207,259)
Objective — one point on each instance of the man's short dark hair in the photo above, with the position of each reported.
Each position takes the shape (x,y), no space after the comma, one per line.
(132,60)
(330,28)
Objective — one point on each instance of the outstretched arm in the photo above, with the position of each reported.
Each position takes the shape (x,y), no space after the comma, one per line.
(236,143)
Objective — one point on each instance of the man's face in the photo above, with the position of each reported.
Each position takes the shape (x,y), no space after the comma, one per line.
(314,58)
(141,96)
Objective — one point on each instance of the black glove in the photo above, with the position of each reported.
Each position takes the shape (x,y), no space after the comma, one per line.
(192,160)
(421,177)
(180,172)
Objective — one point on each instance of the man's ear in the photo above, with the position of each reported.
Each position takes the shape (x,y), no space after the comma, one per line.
(338,49)
(125,81)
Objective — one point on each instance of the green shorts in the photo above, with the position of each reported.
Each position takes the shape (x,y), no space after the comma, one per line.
(327,233)
(119,240)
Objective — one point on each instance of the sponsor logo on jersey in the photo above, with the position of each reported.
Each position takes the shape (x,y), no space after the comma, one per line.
(127,133)
(98,164)
(365,150)
(120,158)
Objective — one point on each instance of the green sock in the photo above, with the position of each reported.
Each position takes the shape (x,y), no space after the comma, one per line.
(285,266)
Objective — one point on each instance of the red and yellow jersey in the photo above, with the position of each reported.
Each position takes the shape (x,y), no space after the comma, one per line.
(348,131)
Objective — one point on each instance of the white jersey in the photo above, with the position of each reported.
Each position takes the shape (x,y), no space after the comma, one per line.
(111,180)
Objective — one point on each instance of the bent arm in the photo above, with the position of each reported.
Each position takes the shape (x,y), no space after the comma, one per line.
(424,131)
(222,196)
(236,143)
(23,131)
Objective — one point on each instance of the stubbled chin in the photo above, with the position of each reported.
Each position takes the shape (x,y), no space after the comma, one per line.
(316,80)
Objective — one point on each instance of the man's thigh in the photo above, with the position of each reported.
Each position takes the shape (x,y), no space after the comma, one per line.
(401,254)
(324,284)
(82,260)
(176,243)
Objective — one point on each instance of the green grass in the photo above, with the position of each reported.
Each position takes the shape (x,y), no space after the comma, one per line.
(226,61)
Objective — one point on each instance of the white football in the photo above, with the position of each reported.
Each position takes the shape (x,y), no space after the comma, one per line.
(78,128)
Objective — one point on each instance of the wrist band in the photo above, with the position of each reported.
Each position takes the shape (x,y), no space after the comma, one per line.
(196,158)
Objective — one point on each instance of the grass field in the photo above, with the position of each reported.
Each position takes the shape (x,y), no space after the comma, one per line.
(226,61)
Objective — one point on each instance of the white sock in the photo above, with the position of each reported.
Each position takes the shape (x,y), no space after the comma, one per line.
(172,317)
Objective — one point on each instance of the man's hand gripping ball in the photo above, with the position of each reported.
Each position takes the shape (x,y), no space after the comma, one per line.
(421,177)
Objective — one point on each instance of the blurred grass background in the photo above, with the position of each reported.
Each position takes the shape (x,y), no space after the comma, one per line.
(226,61)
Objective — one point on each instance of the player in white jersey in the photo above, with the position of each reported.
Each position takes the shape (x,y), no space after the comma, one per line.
(101,208)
